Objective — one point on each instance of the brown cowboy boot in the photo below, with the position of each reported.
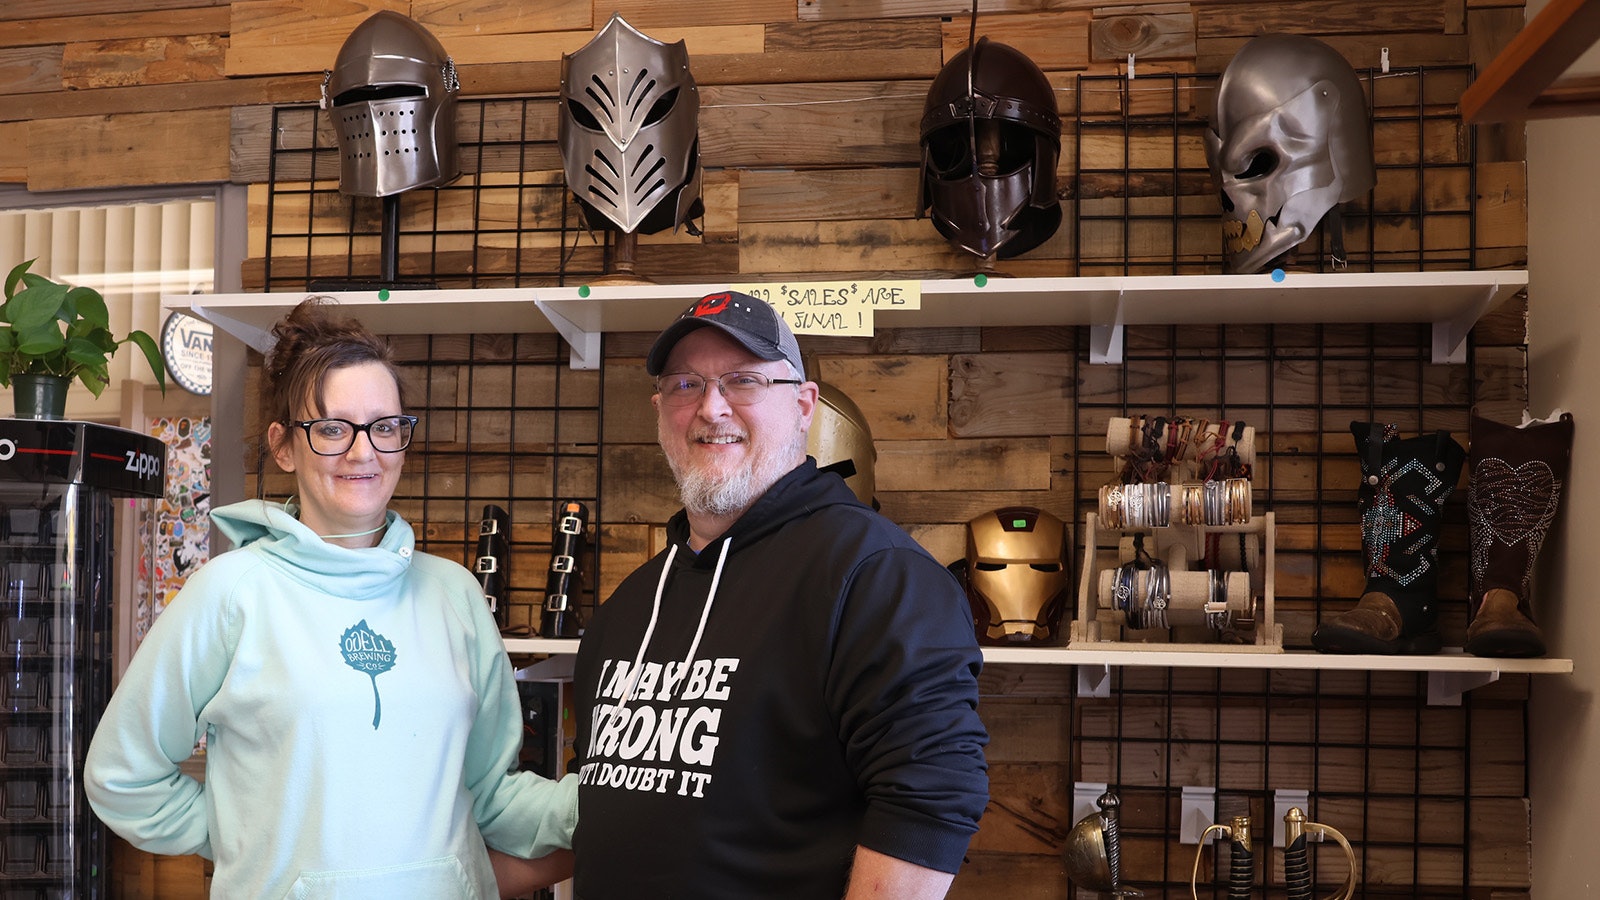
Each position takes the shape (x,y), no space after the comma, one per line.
(1404,484)
(1518,475)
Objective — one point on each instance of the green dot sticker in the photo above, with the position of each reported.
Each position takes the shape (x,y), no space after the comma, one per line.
(583,290)
(383,294)
(980,280)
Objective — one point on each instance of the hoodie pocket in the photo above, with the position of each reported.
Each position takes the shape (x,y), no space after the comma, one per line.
(444,878)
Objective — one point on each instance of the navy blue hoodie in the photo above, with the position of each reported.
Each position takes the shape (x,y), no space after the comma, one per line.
(805,684)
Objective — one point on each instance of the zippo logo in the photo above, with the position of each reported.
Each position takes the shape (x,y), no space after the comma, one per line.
(143,465)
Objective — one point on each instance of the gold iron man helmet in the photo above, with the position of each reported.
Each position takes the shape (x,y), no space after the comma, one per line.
(1016,575)
(840,441)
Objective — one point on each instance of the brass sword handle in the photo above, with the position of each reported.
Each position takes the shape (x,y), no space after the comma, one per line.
(1297,857)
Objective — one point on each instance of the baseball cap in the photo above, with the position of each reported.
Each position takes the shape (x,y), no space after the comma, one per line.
(755,325)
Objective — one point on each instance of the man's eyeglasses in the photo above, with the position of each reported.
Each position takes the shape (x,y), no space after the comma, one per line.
(738,388)
(333,437)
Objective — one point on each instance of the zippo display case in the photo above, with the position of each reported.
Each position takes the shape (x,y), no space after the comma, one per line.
(58,484)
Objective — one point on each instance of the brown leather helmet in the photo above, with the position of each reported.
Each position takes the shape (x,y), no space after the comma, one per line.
(991,138)
(1016,575)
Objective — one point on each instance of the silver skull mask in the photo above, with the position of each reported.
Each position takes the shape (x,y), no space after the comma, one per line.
(629,130)
(392,97)
(1289,140)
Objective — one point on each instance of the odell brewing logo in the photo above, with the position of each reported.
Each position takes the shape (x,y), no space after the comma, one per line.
(186,344)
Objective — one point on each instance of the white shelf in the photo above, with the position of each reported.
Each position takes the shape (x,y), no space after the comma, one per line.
(1450,660)
(1452,302)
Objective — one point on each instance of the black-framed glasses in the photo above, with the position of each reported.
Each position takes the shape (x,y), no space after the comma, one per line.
(738,388)
(334,437)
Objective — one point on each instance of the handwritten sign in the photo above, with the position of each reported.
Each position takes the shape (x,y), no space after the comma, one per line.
(835,307)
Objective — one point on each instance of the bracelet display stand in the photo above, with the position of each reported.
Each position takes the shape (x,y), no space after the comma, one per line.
(1176,579)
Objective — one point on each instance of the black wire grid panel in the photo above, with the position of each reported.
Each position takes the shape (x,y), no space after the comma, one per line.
(506,422)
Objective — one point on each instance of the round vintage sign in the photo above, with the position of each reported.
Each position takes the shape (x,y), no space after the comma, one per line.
(186,344)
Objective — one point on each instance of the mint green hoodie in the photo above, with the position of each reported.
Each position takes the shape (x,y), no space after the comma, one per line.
(360,719)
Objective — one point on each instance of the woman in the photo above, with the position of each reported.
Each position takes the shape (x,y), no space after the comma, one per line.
(358,710)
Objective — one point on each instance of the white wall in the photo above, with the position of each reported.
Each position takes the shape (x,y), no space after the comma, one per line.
(1564,371)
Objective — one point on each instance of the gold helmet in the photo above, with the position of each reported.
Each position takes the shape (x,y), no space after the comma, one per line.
(1016,575)
(841,442)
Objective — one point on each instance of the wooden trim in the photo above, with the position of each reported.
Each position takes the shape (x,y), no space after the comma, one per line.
(1521,82)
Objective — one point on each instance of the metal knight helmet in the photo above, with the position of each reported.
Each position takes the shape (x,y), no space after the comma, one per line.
(1016,575)
(1289,141)
(392,97)
(629,130)
(991,137)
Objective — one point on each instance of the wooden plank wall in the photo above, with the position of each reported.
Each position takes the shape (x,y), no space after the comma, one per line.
(809,143)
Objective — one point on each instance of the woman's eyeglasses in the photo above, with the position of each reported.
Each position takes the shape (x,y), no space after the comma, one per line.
(333,437)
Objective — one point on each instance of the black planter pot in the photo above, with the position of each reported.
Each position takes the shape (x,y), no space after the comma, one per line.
(40,396)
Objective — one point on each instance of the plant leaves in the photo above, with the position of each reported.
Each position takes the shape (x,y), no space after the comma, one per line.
(88,305)
(152,355)
(15,275)
(367,651)
(84,352)
(40,340)
(36,305)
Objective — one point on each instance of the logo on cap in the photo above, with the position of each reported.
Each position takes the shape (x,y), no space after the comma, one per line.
(711,304)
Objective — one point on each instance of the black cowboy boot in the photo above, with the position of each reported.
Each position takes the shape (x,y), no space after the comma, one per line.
(1517,475)
(1404,484)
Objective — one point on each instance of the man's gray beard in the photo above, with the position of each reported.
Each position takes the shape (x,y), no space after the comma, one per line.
(705,494)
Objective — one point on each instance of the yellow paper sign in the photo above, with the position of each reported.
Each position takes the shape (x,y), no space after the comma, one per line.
(835,307)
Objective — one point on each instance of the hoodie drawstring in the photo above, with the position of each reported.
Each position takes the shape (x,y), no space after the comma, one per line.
(655,613)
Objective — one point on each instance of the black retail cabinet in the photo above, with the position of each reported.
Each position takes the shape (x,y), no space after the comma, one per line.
(58,484)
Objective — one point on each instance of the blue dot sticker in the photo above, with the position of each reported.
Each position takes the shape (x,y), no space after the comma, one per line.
(1278,275)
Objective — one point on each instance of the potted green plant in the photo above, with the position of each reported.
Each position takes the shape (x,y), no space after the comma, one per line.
(52,333)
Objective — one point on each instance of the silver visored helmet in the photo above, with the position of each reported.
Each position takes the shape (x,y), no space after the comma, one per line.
(991,137)
(392,98)
(841,441)
(629,130)
(1288,142)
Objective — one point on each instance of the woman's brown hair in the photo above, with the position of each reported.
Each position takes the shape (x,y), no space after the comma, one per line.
(309,343)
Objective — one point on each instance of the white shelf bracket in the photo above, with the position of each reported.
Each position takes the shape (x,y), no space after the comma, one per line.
(1450,335)
(1282,802)
(585,344)
(258,339)
(1094,681)
(1085,799)
(1105,341)
(1198,813)
(1446,688)
(552,668)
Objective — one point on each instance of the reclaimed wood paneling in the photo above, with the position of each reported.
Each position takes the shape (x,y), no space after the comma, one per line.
(449,18)
(1166,31)
(150,60)
(1052,40)
(143,22)
(647,14)
(119,150)
(31,70)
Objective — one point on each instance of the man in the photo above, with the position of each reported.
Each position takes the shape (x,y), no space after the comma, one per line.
(783,703)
